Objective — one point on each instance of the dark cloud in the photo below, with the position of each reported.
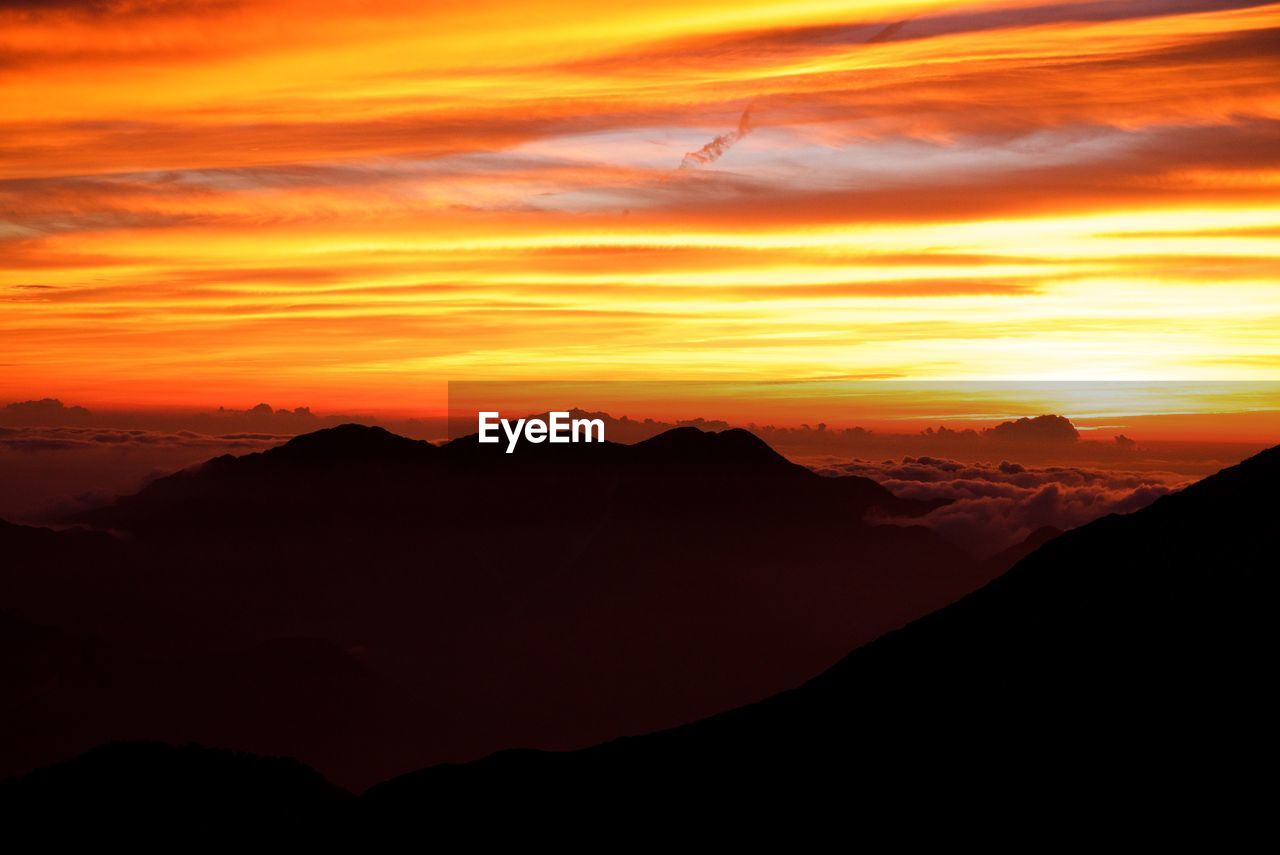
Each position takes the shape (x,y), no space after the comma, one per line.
(118,8)
(714,150)
(1039,429)
(46,411)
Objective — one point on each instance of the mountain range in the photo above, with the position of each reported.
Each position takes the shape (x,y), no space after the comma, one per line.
(1115,670)
(370,604)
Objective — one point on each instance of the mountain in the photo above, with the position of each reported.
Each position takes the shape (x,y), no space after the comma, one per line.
(1011,555)
(366,474)
(65,693)
(1123,662)
(140,776)
(372,604)
(1115,678)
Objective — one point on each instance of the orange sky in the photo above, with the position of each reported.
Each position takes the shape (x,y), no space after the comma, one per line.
(347,204)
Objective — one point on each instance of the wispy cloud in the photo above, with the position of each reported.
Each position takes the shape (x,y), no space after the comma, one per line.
(263,200)
(714,150)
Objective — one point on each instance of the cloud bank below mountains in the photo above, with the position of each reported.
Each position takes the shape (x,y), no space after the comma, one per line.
(994,505)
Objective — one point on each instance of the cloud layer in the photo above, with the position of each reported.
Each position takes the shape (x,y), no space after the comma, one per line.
(218,200)
(995,505)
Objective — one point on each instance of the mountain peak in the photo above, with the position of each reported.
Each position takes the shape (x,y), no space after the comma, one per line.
(696,448)
(350,441)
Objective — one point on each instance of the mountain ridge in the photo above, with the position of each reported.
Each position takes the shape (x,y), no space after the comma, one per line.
(309,462)
(556,598)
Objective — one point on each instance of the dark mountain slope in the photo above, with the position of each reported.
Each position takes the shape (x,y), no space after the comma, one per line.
(1009,556)
(66,693)
(141,776)
(1130,657)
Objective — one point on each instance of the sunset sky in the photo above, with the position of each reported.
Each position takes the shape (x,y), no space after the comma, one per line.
(347,204)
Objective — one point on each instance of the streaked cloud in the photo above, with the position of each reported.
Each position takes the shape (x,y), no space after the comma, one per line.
(205,201)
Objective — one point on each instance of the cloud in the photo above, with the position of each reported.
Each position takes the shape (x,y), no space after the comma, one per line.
(396,208)
(37,439)
(714,150)
(994,505)
(1048,428)
(46,411)
(46,468)
(887,33)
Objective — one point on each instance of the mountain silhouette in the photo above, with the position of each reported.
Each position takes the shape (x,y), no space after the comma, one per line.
(1118,669)
(286,696)
(1011,555)
(140,776)
(1125,659)
(365,473)
(372,604)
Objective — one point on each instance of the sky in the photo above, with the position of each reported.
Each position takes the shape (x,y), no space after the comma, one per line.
(350,204)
